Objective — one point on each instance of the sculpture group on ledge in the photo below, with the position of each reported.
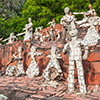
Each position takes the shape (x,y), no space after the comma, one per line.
(52,73)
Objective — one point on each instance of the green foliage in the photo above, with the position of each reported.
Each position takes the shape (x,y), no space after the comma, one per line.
(41,12)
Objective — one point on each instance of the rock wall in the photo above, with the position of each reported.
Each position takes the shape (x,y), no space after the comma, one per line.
(91,65)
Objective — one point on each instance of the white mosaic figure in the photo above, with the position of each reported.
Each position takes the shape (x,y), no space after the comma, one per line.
(52,30)
(92,36)
(87,15)
(11,39)
(75,55)
(19,61)
(33,69)
(53,70)
(28,30)
(12,71)
(66,22)
(37,35)
(40,28)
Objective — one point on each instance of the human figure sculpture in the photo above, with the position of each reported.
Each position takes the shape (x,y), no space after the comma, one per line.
(16,70)
(28,30)
(37,35)
(66,22)
(52,34)
(90,13)
(33,69)
(53,70)
(19,60)
(92,36)
(11,39)
(40,28)
(75,55)
(52,30)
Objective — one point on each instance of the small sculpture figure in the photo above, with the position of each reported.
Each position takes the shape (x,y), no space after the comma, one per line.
(66,22)
(37,35)
(53,70)
(75,55)
(28,30)
(40,28)
(87,15)
(33,69)
(58,37)
(11,39)
(19,70)
(52,30)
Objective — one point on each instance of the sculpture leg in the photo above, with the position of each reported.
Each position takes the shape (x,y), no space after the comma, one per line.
(71,77)
(64,35)
(81,77)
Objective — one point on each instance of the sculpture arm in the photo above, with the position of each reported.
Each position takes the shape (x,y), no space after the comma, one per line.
(5,40)
(38,54)
(14,56)
(65,48)
(59,56)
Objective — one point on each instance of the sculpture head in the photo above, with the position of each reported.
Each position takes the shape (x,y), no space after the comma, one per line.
(19,49)
(73,33)
(71,14)
(29,19)
(66,10)
(54,20)
(36,30)
(90,7)
(12,34)
(54,50)
(33,48)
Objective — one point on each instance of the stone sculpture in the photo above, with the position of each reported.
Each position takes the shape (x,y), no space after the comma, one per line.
(13,70)
(28,30)
(11,39)
(52,30)
(66,22)
(75,55)
(40,28)
(33,69)
(53,70)
(37,35)
(87,15)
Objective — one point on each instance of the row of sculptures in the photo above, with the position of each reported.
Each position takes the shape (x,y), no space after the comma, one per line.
(74,46)
(68,22)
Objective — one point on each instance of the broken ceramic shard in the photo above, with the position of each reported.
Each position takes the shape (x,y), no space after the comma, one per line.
(33,69)
(75,56)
